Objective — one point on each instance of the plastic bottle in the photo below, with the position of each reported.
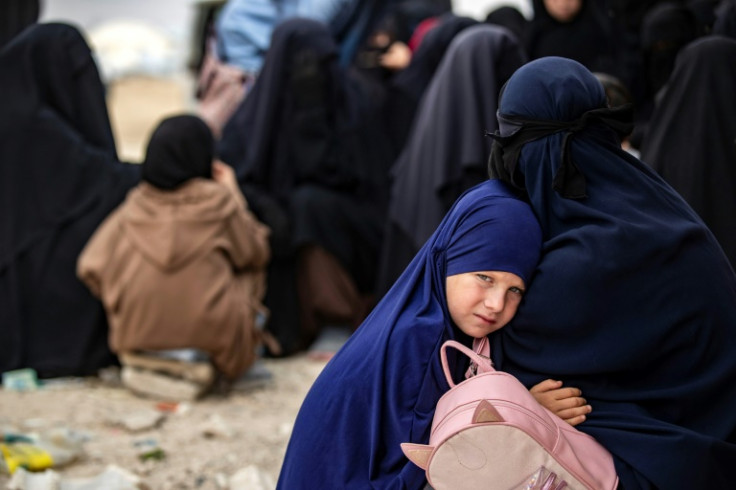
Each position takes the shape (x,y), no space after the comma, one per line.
(53,448)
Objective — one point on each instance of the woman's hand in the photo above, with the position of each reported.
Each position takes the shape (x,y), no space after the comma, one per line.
(397,56)
(567,403)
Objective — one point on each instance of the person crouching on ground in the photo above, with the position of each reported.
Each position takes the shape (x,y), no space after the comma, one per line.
(180,264)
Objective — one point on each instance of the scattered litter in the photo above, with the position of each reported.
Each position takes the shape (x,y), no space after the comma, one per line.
(20,380)
(25,480)
(141,420)
(52,448)
(167,407)
(285,428)
(161,386)
(149,449)
(110,376)
(216,426)
(251,478)
(113,478)
(221,481)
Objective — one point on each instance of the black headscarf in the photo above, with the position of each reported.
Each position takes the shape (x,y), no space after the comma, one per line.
(253,140)
(587,38)
(692,137)
(181,148)
(309,125)
(725,22)
(55,69)
(408,86)
(59,178)
(633,300)
(510,18)
(306,120)
(665,29)
(415,78)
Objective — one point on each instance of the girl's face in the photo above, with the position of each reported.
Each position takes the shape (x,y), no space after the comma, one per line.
(482,302)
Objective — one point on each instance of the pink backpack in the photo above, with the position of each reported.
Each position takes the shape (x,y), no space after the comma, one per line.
(489,432)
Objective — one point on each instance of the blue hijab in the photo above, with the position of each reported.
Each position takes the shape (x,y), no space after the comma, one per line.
(382,387)
(633,301)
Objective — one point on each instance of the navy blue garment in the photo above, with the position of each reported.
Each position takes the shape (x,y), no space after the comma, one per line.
(382,387)
(634,302)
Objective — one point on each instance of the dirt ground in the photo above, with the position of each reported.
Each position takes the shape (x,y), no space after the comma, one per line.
(206,442)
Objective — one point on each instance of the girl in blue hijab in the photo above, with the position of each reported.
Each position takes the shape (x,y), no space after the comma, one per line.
(634,301)
(381,388)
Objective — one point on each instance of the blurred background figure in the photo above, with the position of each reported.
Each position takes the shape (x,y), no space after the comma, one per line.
(16,15)
(725,19)
(511,18)
(312,161)
(447,150)
(575,29)
(406,88)
(180,264)
(665,29)
(691,140)
(60,177)
(242,36)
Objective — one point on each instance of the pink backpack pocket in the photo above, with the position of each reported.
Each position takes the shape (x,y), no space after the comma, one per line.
(489,432)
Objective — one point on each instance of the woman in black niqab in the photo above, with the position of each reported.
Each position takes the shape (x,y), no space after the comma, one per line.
(312,162)
(59,178)
(725,21)
(586,38)
(691,141)
(510,18)
(407,87)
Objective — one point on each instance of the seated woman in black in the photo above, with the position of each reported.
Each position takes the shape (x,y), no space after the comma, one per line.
(59,178)
(312,162)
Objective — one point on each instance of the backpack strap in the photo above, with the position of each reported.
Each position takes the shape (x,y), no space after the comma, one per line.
(482,347)
(482,362)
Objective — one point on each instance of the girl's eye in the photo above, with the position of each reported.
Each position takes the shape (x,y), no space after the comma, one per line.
(516,290)
(484,277)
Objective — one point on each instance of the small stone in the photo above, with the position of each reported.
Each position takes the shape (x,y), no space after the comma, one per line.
(141,420)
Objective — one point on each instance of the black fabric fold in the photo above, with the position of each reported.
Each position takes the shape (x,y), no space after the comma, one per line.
(515,131)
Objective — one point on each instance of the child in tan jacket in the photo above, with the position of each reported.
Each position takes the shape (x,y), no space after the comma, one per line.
(180,264)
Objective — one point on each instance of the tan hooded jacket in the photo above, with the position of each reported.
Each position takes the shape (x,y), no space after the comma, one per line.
(181,269)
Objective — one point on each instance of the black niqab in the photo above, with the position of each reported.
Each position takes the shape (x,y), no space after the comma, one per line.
(408,86)
(587,38)
(691,142)
(308,129)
